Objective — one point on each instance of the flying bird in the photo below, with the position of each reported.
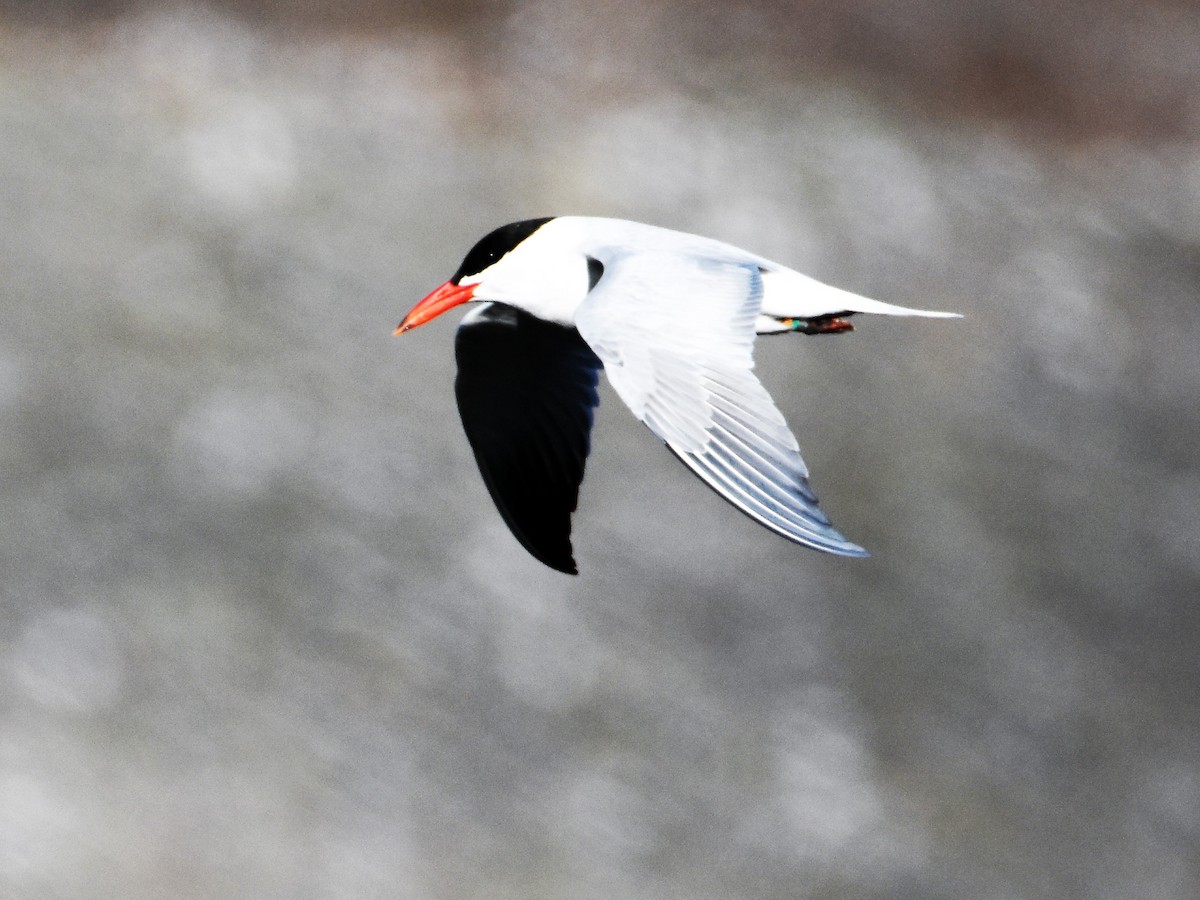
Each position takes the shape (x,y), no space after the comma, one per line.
(671,317)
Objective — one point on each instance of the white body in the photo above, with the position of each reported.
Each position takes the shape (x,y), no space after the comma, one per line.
(547,274)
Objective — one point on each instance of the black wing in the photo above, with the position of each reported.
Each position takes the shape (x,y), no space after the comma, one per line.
(526,389)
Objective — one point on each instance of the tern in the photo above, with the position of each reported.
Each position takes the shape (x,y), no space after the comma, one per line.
(671,317)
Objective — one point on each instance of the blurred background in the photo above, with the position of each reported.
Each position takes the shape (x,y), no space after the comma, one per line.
(262,632)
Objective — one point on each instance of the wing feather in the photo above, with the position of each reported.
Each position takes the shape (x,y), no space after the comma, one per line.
(675,333)
(526,391)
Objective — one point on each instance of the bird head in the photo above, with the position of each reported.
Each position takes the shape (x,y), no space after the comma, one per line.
(523,264)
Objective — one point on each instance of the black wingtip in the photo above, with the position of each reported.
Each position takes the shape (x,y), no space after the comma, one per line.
(564,564)
(567,568)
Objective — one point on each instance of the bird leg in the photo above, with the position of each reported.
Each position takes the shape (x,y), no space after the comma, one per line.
(827,324)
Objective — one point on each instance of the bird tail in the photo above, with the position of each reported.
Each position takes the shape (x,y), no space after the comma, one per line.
(867,305)
(789,295)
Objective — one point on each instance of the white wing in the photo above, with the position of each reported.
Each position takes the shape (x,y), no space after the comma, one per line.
(675,333)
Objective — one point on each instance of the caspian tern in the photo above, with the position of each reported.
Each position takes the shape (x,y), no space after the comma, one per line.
(671,317)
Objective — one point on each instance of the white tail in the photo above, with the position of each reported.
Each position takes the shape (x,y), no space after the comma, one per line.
(789,295)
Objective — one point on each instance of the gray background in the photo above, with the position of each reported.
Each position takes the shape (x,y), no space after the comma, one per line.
(262,632)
